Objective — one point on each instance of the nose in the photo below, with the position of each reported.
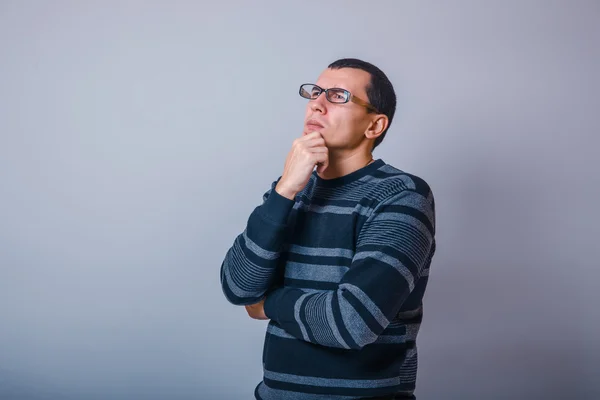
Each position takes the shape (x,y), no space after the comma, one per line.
(318,104)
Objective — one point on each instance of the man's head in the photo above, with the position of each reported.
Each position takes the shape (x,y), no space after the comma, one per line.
(353,119)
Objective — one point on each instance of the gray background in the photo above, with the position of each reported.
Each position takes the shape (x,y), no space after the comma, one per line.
(136,137)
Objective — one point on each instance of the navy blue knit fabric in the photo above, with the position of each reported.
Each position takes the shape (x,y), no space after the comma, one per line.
(344,267)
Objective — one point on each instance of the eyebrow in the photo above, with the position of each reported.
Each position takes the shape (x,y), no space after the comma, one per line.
(341,88)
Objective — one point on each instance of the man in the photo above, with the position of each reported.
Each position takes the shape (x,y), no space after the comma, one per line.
(338,257)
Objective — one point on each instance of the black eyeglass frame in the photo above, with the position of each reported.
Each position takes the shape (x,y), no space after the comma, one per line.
(349,96)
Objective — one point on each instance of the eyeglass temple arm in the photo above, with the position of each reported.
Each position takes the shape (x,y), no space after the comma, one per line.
(362,103)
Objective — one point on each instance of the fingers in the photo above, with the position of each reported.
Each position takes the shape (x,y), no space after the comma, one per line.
(321,158)
(314,139)
(323,162)
(311,136)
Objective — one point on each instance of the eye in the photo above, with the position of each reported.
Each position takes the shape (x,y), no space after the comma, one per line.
(337,95)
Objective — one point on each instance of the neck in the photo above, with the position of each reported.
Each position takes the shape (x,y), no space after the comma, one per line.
(341,165)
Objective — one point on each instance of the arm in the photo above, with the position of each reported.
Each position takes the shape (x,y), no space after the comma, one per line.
(393,247)
(250,265)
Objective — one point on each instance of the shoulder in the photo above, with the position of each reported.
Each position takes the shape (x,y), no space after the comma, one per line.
(398,191)
(388,182)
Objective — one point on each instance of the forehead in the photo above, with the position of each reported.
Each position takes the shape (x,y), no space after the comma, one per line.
(351,79)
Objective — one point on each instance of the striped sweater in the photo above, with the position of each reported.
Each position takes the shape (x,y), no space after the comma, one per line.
(343,267)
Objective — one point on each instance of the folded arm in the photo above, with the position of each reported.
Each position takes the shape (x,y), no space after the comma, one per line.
(394,246)
(250,265)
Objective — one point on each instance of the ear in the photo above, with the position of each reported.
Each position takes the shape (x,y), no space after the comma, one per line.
(377,126)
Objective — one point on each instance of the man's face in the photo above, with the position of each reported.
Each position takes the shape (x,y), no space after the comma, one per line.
(342,125)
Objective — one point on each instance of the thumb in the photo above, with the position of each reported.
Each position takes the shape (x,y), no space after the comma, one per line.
(321,167)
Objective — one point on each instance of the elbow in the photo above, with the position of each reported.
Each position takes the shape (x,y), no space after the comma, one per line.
(361,337)
(245,300)
(360,343)
(237,294)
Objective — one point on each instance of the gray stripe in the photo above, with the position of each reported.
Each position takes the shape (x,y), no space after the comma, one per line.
(297,316)
(259,251)
(387,168)
(267,393)
(321,251)
(366,211)
(368,303)
(378,255)
(332,382)
(244,284)
(239,292)
(274,330)
(418,202)
(356,326)
(315,272)
(316,319)
(399,224)
(412,330)
(247,274)
(331,320)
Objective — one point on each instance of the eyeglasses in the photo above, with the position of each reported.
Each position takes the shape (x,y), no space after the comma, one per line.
(334,95)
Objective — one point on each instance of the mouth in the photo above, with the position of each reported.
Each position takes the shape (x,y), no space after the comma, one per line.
(313,125)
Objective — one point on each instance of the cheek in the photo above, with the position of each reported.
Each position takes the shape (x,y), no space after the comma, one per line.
(349,124)
(308,111)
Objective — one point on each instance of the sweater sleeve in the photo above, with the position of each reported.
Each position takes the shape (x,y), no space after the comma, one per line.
(250,264)
(393,248)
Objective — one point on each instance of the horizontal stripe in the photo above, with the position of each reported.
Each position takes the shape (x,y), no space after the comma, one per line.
(320,251)
(266,393)
(320,273)
(373,230)
(326,382)
(381,339)
(247,275)
(309,285)
(379,361)
(325,391)
(337,209)
(235,289)
(321,260)
(259,251)
(414,212)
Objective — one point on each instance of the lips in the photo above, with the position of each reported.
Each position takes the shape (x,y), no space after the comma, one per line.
(313,124)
